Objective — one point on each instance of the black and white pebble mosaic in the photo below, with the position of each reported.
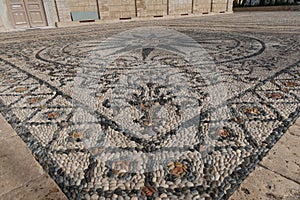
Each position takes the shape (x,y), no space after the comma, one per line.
(150,113)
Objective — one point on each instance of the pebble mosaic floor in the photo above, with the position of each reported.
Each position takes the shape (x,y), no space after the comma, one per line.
(120,112)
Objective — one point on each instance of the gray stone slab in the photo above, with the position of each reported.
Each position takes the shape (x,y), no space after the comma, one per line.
(21,177)
(5,129)
(16,165)
(39,188)
(278,175)
(264,184)
(284,158)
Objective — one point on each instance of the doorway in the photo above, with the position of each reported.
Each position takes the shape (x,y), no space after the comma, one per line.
(27,13)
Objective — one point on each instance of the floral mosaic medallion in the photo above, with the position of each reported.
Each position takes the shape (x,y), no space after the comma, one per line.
(150,113)
(153,100)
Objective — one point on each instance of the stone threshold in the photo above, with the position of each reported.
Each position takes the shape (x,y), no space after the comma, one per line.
(21,176)
(277,176)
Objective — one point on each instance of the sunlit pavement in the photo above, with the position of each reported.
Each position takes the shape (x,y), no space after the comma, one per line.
(165,109)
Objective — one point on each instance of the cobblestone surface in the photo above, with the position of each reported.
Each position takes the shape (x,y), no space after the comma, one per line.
(277,176)
(170,109)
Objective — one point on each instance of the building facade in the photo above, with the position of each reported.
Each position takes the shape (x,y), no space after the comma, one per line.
(23,14)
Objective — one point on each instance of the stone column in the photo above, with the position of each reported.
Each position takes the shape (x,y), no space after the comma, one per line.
(5,23)
(2,28)
(50,11)
(229,5)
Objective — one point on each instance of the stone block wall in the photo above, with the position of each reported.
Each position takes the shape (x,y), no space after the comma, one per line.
(202,6)
(180,7)
(146,8)
(116,9)
(219,6)
(66,7)
(63,11)
(58,12)
(82,5)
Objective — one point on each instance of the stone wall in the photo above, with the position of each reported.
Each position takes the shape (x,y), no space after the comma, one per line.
(63,11)
(146,8)
(116,9)
(58,12)
(65,8)
(219,6)
(180,7)
(80,5)
(202,6)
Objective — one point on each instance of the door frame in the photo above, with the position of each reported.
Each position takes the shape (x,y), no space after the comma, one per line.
(11,15)
(11,18)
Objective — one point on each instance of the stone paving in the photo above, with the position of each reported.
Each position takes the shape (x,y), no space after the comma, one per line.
(277,175)
(163,109)
(21,176)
